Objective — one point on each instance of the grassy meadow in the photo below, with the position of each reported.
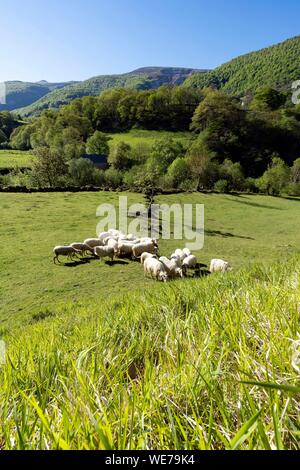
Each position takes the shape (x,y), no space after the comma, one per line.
(98,357)
(15,158)
(34,223)
(137,137)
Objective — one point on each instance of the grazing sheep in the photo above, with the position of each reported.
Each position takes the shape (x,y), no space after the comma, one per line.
(92,242)
(104,235)
(145,256)
(124,248)
(140,248)
(181,254)
(67,250)
(122,237)
(173,270)
(155,269)
(107,239)
(112,243)
(219,265)
(148,239)
(189,262)
(177,259)
(104,252)
(82,247)
(130,237)
(186,251)
(115,233)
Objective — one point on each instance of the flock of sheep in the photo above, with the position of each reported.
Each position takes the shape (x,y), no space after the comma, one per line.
(115,243)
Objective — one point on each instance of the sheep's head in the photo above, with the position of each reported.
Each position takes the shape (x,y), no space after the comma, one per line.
(163,277)
(228,267)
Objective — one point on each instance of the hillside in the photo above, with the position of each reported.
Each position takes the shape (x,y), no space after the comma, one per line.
(235,229)
(140,79)
(277,66)
(19,94)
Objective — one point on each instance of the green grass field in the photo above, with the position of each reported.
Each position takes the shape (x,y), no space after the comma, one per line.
(15,158)
(244,229)
(137,137)
(100,358)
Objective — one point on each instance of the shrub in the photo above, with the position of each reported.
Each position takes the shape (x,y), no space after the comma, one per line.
(222,186)
(81,171)
(98,143)
(178,171)
(203,168)
(113,178)
(120,156)
(292,189)
(48,166)
(233,173)
(275,178)
(164,152)
(250,185)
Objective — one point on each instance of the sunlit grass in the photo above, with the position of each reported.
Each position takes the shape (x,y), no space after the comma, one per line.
(136,137)
(202,364)
(15,158)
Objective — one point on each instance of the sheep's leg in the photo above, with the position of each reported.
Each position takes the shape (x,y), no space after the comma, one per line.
(57,257)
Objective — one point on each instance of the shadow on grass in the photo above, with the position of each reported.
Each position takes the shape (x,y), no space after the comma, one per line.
(201,270)
(214,233)
(73,264)
(118,261)
(255,204)
(291,198)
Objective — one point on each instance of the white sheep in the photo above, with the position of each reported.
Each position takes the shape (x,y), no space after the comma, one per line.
(149,240)
(124,248)
(104,235)
(82,247)
(219,265)
(112,243)
(177,259)
(141,248)
(146,255)
(67,250)
(189,262)
(186,251)
(181,254)
(116,233)
(107,239)
(155,269)
(92,242)
(173,270)
(130,237)
(104,252)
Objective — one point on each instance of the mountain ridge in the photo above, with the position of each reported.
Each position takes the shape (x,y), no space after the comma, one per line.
(276,66)
(141,79)
(19,93)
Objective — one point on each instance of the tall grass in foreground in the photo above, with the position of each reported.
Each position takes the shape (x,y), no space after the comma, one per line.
(200,364)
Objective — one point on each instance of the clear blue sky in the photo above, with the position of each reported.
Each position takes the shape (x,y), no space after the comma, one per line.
(60,40)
